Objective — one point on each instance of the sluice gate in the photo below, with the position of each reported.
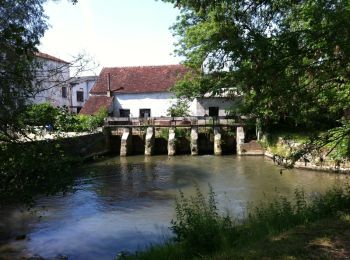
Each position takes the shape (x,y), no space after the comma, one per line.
(178,135)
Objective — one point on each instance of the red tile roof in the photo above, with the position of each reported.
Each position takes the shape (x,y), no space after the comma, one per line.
(94,103)
(139,79)
(49,57)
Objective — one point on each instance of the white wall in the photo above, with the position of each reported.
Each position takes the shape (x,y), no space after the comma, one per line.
(158,102)
(203,104)
(161,101)
(84,86)
(50,79)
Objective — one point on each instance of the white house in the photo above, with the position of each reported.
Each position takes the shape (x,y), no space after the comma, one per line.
(145,92)
(78,93)
(52,78)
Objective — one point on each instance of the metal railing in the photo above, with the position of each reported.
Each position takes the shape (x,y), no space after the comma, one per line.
(173,121)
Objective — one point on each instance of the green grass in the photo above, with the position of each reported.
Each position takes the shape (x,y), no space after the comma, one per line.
(322,239)
(281,229)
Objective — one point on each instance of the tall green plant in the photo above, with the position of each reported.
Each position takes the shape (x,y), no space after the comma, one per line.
(198,225)
(200,230)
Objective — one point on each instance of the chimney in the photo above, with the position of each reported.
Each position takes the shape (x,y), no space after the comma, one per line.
(109,92)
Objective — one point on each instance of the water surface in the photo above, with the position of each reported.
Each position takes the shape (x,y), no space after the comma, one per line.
(125,204)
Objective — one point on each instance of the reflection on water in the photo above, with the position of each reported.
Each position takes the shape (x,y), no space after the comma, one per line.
(127,203)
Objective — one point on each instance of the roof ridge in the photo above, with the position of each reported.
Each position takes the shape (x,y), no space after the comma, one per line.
(143,66)
(49,57)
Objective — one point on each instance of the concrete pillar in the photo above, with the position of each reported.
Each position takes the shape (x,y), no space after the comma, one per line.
(149,142)
(240,139)
(217,141)
(194,141)
(126,142)
(107,133)
(171,142)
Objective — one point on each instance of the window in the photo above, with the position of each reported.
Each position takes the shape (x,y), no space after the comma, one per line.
(64,92)
(78,109)
(124,112)
(145,112)
(213,111)
(80,96)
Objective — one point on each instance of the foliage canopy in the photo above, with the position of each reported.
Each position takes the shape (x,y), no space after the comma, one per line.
(290,59)
(22,24)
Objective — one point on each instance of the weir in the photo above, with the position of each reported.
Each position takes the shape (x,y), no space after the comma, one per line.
(217,141)
(217,131)
(171,142)
(126,142)
(194,141)
(149,141)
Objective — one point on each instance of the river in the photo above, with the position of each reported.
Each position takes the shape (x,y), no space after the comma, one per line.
(125,204)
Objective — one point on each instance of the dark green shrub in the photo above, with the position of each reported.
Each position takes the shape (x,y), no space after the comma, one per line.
(40,114)
(28,169)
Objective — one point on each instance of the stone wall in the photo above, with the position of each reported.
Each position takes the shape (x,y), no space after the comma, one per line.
(315,160)
(84,146)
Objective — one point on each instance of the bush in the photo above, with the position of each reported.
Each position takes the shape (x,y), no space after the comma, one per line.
(89,123)
(61,119)
(40,114)
(65,121)
(28,169)
(201,231)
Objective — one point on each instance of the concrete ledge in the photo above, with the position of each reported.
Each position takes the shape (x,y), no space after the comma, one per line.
(253,148)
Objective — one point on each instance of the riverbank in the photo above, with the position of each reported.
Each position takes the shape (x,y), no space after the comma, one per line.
(324,239)
(315,227)
(284,147)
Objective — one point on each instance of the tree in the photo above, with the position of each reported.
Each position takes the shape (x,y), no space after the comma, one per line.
(22,24)
(289,59)
(22,74)
(179,109)
(26,168)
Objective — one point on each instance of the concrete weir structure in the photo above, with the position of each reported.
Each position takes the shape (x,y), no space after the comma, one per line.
(171,142)
(126,142)
(194,141)
(149,142)
(217,141)
(203,137)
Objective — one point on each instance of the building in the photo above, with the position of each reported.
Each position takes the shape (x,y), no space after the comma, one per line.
(145,92)
(78,92)
(52,80)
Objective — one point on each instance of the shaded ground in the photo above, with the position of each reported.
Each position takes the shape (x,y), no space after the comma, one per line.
(326,239)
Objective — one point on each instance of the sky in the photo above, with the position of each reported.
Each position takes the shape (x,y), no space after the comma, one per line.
(112,32)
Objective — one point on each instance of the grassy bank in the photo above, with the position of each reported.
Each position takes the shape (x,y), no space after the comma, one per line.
(306,227)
